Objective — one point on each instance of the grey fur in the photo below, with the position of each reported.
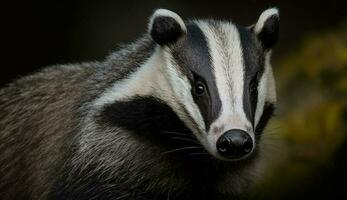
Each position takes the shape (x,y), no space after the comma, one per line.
(53,146)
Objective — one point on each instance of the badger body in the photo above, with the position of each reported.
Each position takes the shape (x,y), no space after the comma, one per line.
(144,123)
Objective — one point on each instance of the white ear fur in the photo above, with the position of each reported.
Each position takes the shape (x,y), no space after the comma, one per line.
(166,13)
(265,15)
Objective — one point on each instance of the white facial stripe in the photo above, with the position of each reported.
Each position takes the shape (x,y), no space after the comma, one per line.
(138,83)
(266,89)
(271,95)
(237,75)
(182,87)
(158,77)
(227,60)
(262,93)
(229,72)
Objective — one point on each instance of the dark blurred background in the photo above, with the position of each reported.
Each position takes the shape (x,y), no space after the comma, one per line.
(306,141)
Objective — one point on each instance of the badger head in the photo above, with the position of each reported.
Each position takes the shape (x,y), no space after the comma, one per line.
(219,77)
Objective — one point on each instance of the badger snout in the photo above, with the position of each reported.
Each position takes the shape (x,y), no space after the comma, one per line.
(234,144)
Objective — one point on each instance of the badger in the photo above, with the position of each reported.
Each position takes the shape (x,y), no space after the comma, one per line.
(178,114)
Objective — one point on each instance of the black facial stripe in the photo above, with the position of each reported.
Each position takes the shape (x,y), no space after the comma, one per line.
(253,57)
(193,56)
(148,118)
(142,114)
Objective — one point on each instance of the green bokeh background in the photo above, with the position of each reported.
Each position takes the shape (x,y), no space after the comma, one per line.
(305,144)
(307,138)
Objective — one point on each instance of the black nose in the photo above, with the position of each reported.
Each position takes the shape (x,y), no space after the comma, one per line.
(234,144)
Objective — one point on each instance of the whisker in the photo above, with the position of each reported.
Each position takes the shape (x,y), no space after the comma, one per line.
(176,133)
(180,149)
(185,139)
(179,134)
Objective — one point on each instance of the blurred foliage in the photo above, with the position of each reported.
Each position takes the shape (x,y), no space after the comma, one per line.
(312,118)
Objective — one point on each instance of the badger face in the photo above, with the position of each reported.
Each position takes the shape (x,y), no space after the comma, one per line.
(221,78)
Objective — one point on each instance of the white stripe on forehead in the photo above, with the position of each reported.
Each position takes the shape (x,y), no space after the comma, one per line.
(227,60)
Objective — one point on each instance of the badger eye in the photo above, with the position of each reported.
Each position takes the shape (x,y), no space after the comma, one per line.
(253,85)
(253,88)
(199,88)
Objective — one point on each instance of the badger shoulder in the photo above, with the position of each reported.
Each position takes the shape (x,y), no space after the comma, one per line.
(61,86)
(40,116)
(37,120)
(50,89)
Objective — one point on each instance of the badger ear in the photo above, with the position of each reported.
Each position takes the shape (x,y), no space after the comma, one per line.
(166,27)
(267,28)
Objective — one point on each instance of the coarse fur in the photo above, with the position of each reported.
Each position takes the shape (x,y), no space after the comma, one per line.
(132,126)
